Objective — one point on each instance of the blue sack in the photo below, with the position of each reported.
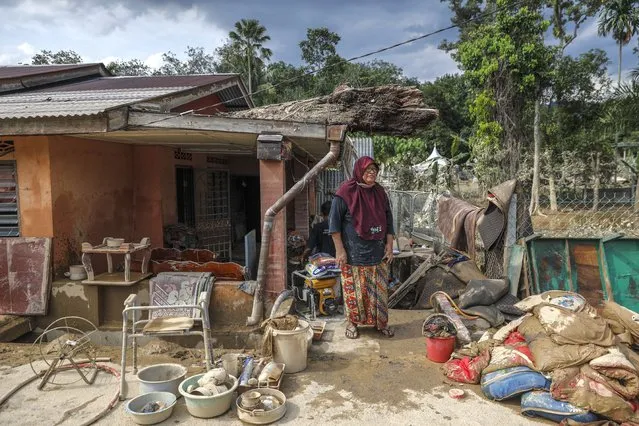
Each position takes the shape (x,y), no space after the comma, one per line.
(513,381)
(542,404)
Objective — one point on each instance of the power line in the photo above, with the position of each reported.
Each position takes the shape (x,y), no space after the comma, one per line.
(354,58)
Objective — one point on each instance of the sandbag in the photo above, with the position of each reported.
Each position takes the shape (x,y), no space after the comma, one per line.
(542,404)
(566,327)
(482,292)
(548,355)
(585,388)
(505,331)
(511,382)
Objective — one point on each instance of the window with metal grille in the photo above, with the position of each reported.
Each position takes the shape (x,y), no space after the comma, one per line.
(9,215)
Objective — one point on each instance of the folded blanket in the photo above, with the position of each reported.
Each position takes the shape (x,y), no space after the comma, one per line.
(619,373)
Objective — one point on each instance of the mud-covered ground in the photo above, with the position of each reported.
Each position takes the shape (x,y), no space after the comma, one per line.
(371,380)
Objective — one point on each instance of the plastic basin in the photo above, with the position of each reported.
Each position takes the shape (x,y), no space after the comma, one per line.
(134,407)
(161,378)
(207,406)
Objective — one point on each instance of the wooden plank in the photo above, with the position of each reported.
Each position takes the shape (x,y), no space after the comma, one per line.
(463,335)
(117,279)
(250,255)
(12,327)
(25,277)
(604,271)
(568,265)
(515,264)
(533,263)
(526,267)
(405,287)
(151,120)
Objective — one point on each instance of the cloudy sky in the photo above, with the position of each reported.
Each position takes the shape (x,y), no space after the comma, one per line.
(101,31)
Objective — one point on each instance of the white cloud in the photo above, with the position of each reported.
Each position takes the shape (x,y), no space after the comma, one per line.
(426,63)
(154,60)
(26,48)
(103,30)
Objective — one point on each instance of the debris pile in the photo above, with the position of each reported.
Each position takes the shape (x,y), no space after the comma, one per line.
(565,360)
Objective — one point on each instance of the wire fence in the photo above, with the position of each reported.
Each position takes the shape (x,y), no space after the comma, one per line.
(577,213)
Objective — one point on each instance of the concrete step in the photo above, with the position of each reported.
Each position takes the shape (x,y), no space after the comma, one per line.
(13,326)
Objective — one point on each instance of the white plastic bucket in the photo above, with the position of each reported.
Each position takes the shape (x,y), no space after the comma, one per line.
(290,347)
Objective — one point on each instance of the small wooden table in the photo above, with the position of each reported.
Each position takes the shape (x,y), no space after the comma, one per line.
(125,278)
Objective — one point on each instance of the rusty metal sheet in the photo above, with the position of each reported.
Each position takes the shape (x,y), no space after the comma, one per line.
(25,275)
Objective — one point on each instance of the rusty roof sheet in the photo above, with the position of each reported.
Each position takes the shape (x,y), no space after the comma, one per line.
(137,82)
(75,103)
(18,71)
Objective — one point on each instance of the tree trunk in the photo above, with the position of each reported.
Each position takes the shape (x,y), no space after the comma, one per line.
(534,197)
(619,69)
(595,192)
(250,71)
(553,192)
(637,193)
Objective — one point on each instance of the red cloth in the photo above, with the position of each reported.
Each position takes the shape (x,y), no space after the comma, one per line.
(466,369)
(367,206)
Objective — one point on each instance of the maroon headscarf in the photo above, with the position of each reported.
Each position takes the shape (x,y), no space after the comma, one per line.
(367,206)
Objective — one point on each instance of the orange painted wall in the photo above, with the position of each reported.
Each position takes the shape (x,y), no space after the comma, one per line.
(154,192)
(34,186)
(92,187)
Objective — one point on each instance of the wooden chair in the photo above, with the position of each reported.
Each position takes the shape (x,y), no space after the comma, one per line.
(178,306)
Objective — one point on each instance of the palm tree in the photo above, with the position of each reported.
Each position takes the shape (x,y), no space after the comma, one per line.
(621,19)
(250,37)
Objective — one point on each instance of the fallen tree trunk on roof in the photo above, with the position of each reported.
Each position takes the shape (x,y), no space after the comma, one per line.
(391,109)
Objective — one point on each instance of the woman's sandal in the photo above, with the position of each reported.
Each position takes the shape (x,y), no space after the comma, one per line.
(351,331)
(387,332)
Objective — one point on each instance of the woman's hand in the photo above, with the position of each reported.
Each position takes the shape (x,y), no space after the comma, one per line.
(388,253)
(340,256)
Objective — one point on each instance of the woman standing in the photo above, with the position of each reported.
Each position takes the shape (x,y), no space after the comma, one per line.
(361,224)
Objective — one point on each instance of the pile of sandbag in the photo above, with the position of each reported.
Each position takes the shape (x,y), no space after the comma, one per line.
(567,362)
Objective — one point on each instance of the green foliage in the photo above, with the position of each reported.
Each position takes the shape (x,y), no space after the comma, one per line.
(130,67)
(249,38)
(319,46)
(46,57)
(197,62)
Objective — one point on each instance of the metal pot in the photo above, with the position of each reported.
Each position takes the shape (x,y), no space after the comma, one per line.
(76,272)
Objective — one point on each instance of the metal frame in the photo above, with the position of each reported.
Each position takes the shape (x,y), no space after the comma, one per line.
(130,306)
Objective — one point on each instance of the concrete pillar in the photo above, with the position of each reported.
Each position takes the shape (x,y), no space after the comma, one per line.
(272,187)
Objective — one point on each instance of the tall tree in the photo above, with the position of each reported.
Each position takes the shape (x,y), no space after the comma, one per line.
(319,46)
(503,55)
(46,57)
(250,36)
(620,18)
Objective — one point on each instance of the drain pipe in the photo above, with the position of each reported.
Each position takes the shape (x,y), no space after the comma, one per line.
(269,217)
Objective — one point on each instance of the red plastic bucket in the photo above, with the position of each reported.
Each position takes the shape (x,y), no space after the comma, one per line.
(439,349)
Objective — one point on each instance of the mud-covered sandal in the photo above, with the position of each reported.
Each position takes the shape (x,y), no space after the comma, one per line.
(387,332)
(351,331)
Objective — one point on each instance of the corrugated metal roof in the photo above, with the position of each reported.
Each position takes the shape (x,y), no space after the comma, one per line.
(74,103)
(137,82)
(363,146)
(18,71)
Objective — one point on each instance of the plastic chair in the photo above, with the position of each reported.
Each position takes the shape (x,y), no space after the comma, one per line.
(168,314)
